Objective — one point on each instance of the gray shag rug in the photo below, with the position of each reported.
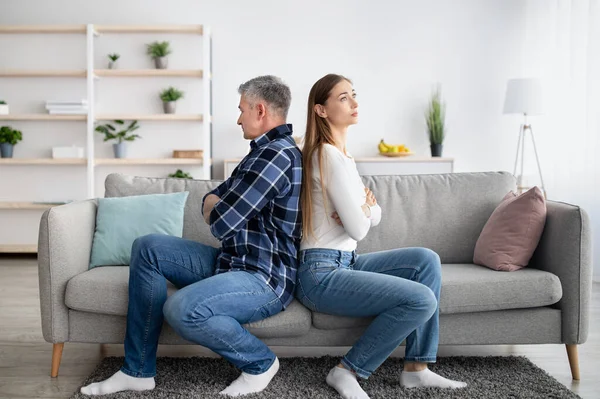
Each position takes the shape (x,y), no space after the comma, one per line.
(299,377)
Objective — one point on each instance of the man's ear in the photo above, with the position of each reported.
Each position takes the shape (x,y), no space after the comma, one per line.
(320,110)
(261,110)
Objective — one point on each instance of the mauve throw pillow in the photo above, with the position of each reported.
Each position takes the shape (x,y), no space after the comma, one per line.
(512,232)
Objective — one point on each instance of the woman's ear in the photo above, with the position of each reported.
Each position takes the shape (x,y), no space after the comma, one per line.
(320,110)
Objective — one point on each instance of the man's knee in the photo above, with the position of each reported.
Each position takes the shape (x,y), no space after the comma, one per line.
(180,311)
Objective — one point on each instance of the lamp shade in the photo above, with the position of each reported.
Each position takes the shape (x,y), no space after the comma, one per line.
(523,96)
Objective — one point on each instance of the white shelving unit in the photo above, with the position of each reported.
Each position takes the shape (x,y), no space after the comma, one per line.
(93,76)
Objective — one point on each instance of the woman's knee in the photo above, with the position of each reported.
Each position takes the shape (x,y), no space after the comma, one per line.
(430,262)
(427,302)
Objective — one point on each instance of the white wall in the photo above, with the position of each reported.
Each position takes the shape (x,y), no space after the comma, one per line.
(395,52)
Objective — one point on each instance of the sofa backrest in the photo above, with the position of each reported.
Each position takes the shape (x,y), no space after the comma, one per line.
(443,212)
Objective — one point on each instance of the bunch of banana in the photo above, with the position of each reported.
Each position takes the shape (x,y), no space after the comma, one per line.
(390,148)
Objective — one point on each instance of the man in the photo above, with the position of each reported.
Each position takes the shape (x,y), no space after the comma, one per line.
(255,214)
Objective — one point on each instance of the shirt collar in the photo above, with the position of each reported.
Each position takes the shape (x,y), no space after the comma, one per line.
(276,132)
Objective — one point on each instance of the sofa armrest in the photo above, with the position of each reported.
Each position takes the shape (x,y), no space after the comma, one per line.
(565,250)
(64,248)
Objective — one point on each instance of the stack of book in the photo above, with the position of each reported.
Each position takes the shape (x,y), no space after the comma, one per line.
(67,107)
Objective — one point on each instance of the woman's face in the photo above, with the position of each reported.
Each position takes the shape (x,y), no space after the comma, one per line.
(341,107)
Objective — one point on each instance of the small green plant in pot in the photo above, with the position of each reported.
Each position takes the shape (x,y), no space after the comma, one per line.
(435,118)
(112,64)
(169,97)
(9,137)
(159,51)
(3,107)
(121,134)
(181,175)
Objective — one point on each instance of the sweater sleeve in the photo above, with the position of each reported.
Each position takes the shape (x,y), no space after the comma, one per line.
(342,194)
(375,215)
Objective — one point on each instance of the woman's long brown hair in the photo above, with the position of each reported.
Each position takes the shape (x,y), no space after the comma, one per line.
(317,134)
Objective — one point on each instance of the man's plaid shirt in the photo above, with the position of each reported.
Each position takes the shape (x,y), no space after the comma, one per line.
(258,219)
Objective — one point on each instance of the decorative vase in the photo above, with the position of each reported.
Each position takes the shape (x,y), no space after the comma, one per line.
(161,62)
(112,64)
(120,150)
(436,150)
(3,109)
(169,107)
(6,150)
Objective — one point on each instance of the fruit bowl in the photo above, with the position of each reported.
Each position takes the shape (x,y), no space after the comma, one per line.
(396,154)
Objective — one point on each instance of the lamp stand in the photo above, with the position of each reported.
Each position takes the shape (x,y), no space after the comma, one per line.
(521,149)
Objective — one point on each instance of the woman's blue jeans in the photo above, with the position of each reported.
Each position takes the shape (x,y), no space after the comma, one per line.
(400,288)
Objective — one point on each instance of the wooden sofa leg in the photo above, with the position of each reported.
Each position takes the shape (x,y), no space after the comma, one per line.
(57,350)
(573,360)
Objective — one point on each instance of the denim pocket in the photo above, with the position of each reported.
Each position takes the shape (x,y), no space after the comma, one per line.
(321,270)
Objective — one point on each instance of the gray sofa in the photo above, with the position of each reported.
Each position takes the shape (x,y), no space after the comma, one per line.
(545,303)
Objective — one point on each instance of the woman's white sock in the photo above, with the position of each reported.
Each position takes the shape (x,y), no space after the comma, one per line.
(344,381)
(427,378)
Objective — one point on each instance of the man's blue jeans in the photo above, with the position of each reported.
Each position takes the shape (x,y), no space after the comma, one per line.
(400,287)
(207,309)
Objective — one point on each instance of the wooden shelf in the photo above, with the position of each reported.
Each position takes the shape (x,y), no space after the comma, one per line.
(42,161)
(43,74)
(26,205)
(19,249)
(42,117)
(149,117)
(43,29)
(193,73)
(146,161)
(194,29)
(101,161)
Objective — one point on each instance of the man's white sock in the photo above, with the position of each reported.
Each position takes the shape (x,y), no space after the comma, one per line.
(250,383)
(427,378)
(117,383)
(344,381)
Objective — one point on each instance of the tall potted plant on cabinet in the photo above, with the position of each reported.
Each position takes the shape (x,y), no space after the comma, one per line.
(435,118)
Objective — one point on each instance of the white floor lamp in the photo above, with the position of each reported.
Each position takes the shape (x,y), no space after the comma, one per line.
(524,96)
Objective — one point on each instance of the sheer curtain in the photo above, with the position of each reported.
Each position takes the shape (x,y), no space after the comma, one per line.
(562,46)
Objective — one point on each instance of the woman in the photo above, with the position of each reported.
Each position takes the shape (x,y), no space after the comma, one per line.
(400,287)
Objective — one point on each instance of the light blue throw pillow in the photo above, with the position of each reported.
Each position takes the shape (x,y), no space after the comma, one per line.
(120,220)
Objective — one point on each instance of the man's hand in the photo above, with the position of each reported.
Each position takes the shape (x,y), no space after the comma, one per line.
(209,204)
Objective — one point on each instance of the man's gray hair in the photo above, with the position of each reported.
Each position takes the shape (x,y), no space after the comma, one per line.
(270,89)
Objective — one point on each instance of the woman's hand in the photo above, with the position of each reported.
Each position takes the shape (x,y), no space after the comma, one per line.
(370,200)
(337,219)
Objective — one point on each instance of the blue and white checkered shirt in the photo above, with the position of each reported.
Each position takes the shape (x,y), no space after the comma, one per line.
(258,219)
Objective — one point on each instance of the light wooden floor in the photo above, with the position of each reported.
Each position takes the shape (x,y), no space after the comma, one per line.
(25,356)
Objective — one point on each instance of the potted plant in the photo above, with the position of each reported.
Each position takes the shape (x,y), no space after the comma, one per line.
(435,116)
(8,138)
(181,175)
(112,64)
(169,96)
(159,51)
(121,136)
(3,108)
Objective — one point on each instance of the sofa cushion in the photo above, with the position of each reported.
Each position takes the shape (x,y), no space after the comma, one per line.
(194,227)
(468,288)
(104,290)
(513,232)
(119,221)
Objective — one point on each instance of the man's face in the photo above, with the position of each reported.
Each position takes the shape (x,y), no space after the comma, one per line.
(250,118)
